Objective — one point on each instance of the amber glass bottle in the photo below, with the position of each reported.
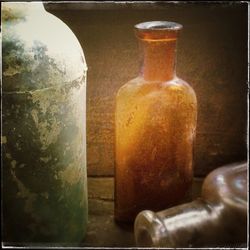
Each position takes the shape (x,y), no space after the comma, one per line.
(155,121)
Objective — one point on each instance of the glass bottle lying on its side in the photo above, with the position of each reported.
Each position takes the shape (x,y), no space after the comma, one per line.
(219,217)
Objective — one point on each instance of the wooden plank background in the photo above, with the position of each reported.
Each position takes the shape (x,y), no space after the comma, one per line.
(212,57)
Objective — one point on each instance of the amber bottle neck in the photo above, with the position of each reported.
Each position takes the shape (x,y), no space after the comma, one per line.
(158,59)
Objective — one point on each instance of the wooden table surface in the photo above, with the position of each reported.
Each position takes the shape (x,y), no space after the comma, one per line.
(102,230)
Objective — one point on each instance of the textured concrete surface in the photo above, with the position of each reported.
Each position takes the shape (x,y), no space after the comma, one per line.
(212,57)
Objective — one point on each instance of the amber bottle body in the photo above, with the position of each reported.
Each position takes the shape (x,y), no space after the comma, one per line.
(155,123)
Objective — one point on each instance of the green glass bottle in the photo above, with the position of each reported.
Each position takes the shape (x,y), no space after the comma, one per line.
(43,139)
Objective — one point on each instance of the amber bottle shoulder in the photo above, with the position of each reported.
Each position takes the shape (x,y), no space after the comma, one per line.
(138,86)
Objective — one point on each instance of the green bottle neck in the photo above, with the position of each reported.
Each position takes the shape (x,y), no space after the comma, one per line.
(13,11)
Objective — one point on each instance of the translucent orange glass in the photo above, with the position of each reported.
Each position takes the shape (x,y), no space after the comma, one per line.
(155,122)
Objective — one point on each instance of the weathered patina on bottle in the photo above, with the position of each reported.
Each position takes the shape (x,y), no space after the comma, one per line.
(44,188)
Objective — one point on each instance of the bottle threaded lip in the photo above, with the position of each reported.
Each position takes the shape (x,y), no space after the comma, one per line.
(149,230)
(158,30)
(158,25)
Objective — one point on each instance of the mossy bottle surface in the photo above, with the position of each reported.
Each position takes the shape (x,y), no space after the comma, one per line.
(44,182)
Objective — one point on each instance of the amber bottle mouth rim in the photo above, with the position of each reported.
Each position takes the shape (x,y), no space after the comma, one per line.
(158,26)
